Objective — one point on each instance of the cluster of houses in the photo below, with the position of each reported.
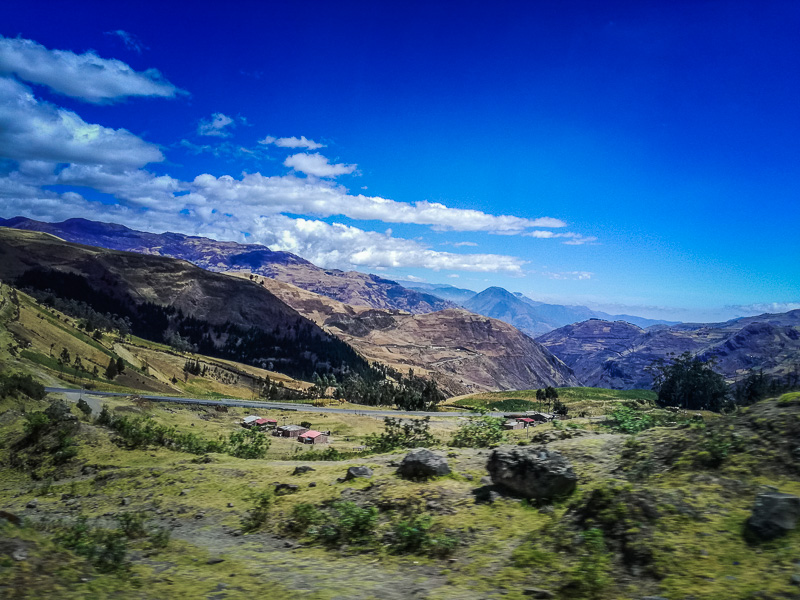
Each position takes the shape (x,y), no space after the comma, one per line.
(304,435)
(525,421)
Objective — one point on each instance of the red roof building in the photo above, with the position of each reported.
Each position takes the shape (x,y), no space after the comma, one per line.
(313,437)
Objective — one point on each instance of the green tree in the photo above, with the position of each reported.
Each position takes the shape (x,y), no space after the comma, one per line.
(397,433)
(111,369)
(120,366)
(690,383)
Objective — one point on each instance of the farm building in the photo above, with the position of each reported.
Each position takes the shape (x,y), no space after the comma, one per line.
(313,437)
(249,421)
(513,424)
(265,423)
(527,421)
(289,431)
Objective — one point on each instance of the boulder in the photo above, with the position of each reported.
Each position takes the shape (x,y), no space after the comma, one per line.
(422,464)
(535,473)
(302,469)
(355,472)
(774,514)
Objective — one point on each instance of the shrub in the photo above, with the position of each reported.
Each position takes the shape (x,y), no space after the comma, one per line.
(16,383)
(398,433)
(629,420)
(84,407)
(480,432)
(132,524)
(262,505)
(349,524)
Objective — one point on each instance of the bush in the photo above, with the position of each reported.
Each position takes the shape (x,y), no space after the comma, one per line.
(348,523)
(690,383)
(84,407)
(629,420)
(480,432)
(262,505)
(132,524)
(411,433)
(16,383)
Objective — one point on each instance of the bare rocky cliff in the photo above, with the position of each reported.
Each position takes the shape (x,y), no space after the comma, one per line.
(463,351)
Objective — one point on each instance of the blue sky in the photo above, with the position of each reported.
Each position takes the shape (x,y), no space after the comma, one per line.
(636,157)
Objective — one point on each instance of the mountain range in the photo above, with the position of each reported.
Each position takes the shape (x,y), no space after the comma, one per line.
(616,354)
(533,317)
(350,287)
(276,325)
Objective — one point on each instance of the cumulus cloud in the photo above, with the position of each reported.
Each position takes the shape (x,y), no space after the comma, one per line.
(572,239)
(155,208)
(85,76)
(139,187)
(292,142)
(320,198)
(570,275)
(317,165)
(131,41)
(216,126)
(346,247)
(33,130)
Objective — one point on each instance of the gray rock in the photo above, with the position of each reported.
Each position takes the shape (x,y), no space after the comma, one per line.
(125,502)
(533,472)
(230,504)
(356,472)
(302,469)
(795,579)
(312,484)
(19,554)
(774,514)
(184,493)
(422,464)
(32,504)
(285,488)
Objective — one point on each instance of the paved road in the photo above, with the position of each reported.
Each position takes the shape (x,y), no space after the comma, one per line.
(270,405)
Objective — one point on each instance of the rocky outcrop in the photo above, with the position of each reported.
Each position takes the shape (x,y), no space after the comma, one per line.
(423,464)
(536,473)
(774,514)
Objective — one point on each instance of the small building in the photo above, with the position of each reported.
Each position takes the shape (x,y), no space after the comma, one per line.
(290,431)
(513,424)
(249,421)
(265,423)
(527,421)
(313,437)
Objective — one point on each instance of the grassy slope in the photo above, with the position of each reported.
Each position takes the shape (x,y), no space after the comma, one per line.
(39,334)
(580,400)
(697,542)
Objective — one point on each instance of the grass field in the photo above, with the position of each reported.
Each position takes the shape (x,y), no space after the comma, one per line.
(584,401)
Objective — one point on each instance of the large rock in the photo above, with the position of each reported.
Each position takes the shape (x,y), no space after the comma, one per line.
(774,515)
(535,473)
(422,463)
(358,472)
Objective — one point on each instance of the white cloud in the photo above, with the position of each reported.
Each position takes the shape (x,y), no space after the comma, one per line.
(216,126)
(139,187)
(131,41)
(461,244)
(765,307)
(317,165)
(292,142)
(33,130)
(291,194)
(345,247)
(454,275)
(85,76)
(414,278)
(570,275)
(573,239)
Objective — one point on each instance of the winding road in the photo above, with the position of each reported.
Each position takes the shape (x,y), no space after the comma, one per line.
(74,393)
